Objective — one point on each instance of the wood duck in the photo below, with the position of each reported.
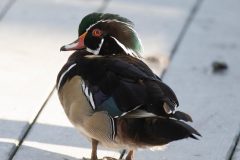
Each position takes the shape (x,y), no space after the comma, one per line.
(111,95)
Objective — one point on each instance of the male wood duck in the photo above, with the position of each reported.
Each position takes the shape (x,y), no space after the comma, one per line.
(111,95)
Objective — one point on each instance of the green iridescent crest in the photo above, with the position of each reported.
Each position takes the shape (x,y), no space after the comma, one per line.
(93,18)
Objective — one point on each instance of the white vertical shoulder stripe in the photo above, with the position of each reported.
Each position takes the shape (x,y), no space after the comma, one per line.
(88,95)
(64,73)
(92,101)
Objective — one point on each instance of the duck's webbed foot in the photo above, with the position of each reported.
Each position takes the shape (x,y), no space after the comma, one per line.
(94,151)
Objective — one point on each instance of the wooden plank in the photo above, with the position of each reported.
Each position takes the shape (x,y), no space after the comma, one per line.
(3,3)
(31,34)
(211,98)
(6,128)
(158,24)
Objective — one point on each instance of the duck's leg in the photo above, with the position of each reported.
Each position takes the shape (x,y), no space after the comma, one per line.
(94,149)
(130,155)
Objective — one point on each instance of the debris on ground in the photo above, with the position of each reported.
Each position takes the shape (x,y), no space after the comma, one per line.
(219,67)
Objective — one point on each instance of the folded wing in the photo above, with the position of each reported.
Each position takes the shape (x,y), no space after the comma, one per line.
(122,85)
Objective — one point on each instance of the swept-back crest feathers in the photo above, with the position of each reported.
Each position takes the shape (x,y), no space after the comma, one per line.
(93,18)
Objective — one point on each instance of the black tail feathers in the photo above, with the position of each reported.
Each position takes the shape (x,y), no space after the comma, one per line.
(158,131)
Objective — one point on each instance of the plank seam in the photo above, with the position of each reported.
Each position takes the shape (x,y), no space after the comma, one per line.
(233,147)
(183,31)
(29,127)
(103,6)
(6,8)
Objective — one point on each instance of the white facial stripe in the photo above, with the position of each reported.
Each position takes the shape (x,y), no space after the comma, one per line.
(115,20)
(109,21)
(121,45)
(127,50)
(64,73)
(96,52)
(128,25)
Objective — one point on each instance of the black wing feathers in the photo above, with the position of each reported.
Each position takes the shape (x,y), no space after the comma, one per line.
(127,80)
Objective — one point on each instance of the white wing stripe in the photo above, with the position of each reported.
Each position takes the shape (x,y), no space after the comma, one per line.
(64,73)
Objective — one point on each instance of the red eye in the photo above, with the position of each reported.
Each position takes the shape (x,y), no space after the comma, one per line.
(96,32)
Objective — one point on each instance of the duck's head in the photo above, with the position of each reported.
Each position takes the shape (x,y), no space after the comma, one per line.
(106,34)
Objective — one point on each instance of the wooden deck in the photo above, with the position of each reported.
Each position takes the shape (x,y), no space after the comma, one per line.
(187,37)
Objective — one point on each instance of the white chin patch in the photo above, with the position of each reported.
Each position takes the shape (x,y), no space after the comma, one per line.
(96,51)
